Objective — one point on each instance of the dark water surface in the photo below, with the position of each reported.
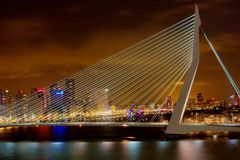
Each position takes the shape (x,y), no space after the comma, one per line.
(213,149)
(111,143)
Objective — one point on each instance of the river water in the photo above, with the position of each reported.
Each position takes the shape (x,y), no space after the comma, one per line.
(112,143)
(212,148)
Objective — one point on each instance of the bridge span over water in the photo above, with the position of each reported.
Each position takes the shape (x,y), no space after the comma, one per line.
(134,87)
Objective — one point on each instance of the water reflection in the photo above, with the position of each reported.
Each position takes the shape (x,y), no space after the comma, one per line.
(134,149)
(59,131)
(106,146)
(163,145)
(188,149)
(166,150)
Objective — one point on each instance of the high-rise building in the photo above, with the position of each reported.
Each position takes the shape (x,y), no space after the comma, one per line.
(41,92)
(100,99)
(199,98)
(3,108)
(213,102)
(86,102)
(7,101)
(69,95)
(7,98)
(1,97)
(33,102)
(236,100)
(191,101)
(56,100)
(169,102)
(19,103)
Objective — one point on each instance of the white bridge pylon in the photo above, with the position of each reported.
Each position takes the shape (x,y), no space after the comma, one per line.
(175,125)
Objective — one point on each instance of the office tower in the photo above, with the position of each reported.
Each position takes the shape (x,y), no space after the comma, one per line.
(69,94)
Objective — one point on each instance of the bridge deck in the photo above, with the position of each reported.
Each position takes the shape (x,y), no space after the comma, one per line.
(117,124)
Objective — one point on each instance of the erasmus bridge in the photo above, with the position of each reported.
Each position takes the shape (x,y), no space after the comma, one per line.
(130,88)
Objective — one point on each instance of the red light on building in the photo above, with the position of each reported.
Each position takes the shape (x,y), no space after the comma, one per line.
(38,90)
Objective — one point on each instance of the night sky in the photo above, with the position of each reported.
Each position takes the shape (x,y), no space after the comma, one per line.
(43,41)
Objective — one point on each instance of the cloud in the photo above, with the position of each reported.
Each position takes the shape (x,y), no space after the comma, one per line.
(19,33)
(39,71)
(19,74)
(74,8)
(228,41)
